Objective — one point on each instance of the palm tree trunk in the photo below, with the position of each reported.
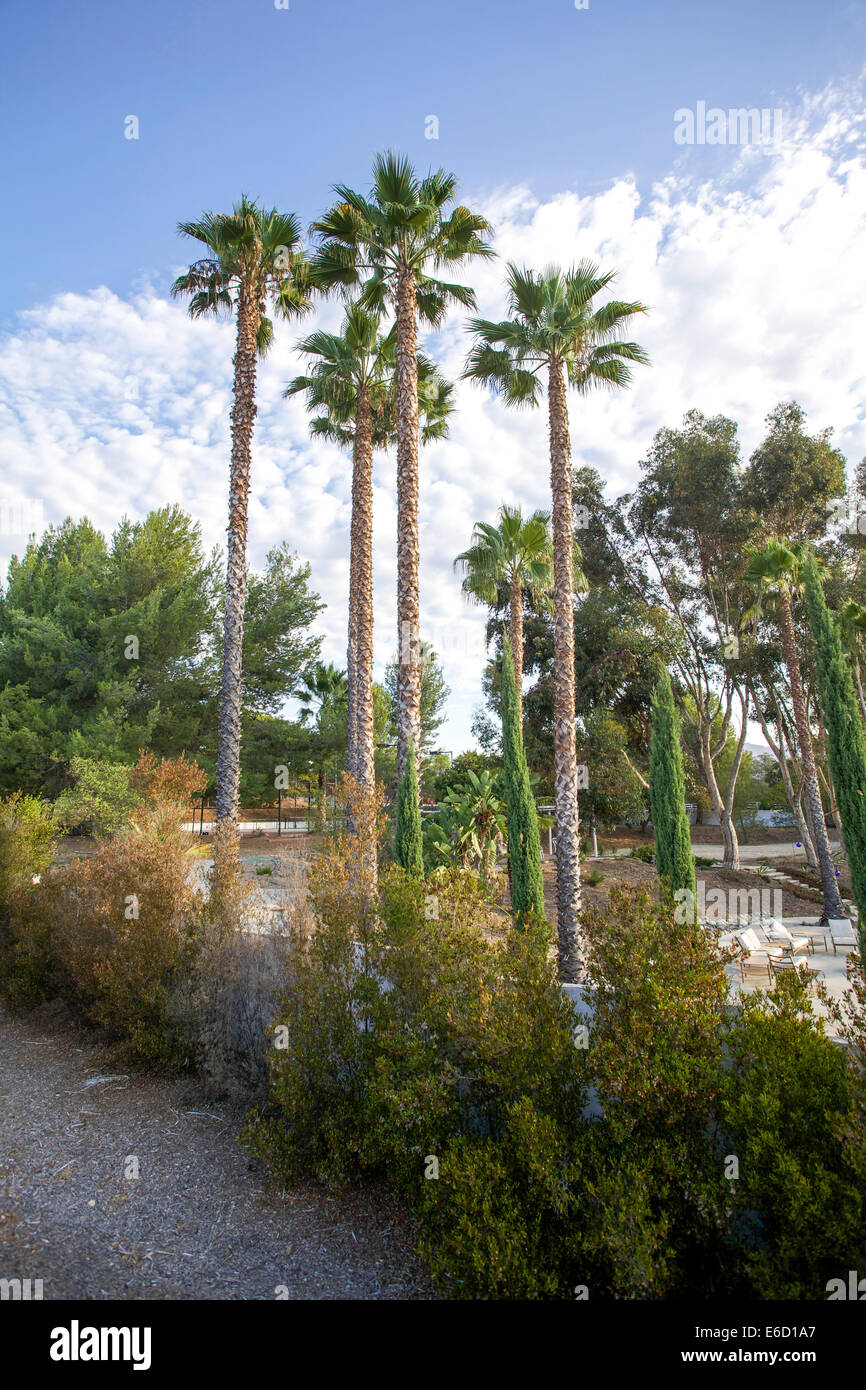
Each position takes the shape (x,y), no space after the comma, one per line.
(515,632)
(408,607)
(832,901)
(243,417)
(568,897)
(352,644)
(361,591)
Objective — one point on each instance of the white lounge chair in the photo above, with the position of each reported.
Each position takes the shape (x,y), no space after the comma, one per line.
(755,952)
(841,932)
(776,932)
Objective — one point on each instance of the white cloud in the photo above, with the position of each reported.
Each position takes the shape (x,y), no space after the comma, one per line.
(754,280)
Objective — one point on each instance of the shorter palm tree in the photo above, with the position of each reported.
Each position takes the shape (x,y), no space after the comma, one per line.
(323,686)
(350,391)
(777,570)
(518,554)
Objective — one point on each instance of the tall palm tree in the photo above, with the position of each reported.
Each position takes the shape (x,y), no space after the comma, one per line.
(254,259)
(554,330)
(393,244)
(518,554)
(351,389)
(776,569)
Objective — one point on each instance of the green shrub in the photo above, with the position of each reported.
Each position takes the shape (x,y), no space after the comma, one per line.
(27,837)
(659,997)
(417,1045)
(645,853)
(100,799)
(424,1034)
(788,1100)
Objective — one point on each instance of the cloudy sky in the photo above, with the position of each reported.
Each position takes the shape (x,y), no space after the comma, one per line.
(751,259)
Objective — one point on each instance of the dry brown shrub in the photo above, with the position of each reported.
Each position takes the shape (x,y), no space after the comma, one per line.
(343,879)
(239,970)
(127,927)
(167,781)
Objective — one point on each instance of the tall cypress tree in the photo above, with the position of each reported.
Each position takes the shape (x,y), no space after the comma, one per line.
(674,858)
(408,845)
(846,744)
(524,844)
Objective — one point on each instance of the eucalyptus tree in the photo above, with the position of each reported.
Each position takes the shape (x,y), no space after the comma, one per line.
(390,247)
(350,392)
(555,337)
(253,259)
(519,554)
(691,526)
(776,571)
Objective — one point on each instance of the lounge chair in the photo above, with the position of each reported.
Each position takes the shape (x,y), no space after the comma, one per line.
(776,932)
(841,933)
(760,954)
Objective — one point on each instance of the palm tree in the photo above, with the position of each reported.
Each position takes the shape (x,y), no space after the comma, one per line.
(323,686)
(777,569)
(518,554)
(254,259)
(554,329)
(389,243)
(351,389)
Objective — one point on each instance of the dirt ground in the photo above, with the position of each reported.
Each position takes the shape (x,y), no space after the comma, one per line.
(703,835)
(201,1221)
(634,873)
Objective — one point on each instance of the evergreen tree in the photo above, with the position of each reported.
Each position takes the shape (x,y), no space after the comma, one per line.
(524,846)
(408,850)
(846,744)
(674,858)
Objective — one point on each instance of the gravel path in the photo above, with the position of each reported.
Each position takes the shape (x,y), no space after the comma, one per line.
(199,1222)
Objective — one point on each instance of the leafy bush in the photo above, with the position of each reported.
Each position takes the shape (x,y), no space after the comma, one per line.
(470,829)
(455,774)
(645,853)
(27,837)
(419,1046)
(788,1100)
(100,799)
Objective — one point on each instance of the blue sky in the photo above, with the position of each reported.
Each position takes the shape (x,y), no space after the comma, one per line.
(559,123)
(235,94)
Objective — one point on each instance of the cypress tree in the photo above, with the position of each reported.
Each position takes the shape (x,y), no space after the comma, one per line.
(674,859)
(408,848)
(846,744)
(524,844)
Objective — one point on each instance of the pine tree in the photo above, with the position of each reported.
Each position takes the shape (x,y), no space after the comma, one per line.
(846,744)
(408,850)
(524,845)
(674,858)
